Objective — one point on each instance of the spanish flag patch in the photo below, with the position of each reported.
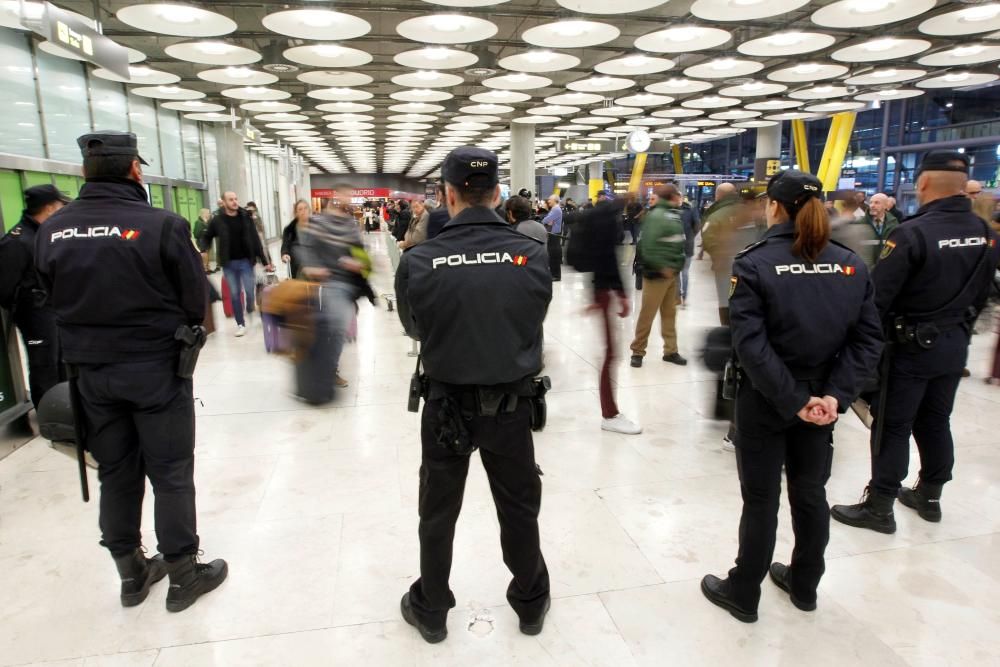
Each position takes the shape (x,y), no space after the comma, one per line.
(130,234)
(520,260)
(887,249)
(733,282)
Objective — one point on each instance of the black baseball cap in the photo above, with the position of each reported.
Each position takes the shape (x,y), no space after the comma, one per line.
(39,195)
(944,161)
(109,142)
(466,162)
(793,188)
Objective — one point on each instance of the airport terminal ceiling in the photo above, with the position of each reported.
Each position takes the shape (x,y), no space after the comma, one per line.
(391,87)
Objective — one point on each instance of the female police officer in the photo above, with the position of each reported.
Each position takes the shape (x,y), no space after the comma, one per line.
(806,335)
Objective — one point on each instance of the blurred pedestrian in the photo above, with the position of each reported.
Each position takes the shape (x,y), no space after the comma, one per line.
(290,237)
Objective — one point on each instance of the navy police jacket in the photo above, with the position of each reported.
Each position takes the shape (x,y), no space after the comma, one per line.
(476,296)
(20,289)
(795,321)
(927,260)
(121,275)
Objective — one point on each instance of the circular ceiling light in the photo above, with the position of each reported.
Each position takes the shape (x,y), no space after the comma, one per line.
(650,122)
(882,48)
(571,33)
(593,120)
(835,107)
(238,76)
(519,81)
(753,89)
(421,95)
(320,24)
(678,87)
(774,105)
(710,102)
(724,68)
(436,57)
(536,120)
(677,113)
(869,13)
(168,93)
(256,93)
(327,55)
(600,84)
(135,56)
(885,76)
(139,75)
(539,61)
(289,126)
(403,118)
(212,53)
(604,7)
(821,92)
(969,54)
(743,10)
(193,106)
(793,115)
(889,94)
(735,114)
(174,19)
(751,124)
(634,65)
(486,109)
(335,79)
(787,44)
(467,127)
(339,94)
(806,72)
(616,111)
(415,107)
(427,79)
(212,117)
(969,21)
(704,122)
(447,29)
(644,100)
(500,97)
(682,39)
(553,110)
(957,80)
(281,117)
(574,99)
(270,106)
(474,118)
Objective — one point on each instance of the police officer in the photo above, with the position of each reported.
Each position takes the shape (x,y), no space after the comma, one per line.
(22,294)
(124,280)
(477,295)
(806,332)
(931,282)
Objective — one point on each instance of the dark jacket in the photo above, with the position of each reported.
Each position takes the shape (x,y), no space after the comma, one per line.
(20,288)
(327,240)
(692,225)
(403,219)
(795,321)
(600,227)
(219,230)
(439,218)
(122,276)
(290,237)
(476,296)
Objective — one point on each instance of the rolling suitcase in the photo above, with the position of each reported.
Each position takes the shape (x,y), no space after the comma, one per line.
(227,299)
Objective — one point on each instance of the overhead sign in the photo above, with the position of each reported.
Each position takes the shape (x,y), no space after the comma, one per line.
(583,146)
(69,32)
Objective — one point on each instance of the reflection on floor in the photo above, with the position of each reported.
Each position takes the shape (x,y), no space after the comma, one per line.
(316,511)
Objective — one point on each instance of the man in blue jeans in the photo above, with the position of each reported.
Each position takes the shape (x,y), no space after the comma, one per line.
(239,249)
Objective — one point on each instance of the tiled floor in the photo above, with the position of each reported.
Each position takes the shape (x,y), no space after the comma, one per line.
(315,509)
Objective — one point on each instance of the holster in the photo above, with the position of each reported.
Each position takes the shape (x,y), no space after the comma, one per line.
(453,429)
(539,409)
(192,339)
(730,380)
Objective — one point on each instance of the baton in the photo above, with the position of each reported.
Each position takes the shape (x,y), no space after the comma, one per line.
(76,404)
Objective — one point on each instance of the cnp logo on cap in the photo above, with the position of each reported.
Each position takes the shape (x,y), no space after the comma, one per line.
(466,163)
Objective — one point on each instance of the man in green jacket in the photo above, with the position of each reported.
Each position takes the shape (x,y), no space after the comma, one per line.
(882,223)
(661,248)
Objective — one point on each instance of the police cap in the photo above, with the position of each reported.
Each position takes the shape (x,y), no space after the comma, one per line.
(466,162)
(793,188)
(944,161)
(38,196)
(109,142)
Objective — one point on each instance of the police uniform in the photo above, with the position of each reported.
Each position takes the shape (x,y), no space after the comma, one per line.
(476,297)
(24,296)
(123,278)
(800,329)
(931,282)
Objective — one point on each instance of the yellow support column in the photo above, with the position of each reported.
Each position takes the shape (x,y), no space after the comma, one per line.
(801,144)
(640,166)
(824,161)
(678,163)
(844,131)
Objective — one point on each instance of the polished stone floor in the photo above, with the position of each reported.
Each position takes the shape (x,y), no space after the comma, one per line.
(315,509)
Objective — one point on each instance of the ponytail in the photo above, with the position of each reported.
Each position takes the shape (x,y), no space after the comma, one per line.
(812,230)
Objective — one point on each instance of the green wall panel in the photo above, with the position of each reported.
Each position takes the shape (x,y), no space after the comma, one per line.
(156,195)
(67,184)
(11,198)
(36,178)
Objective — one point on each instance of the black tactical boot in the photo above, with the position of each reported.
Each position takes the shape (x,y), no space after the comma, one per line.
(138,574)
(719,592)
(873,512)
(535,627)
(925,498)
(779,575)
(430,635)
(189,580)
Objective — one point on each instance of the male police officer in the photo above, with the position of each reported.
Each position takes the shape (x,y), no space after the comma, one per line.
(931,281)
(21,292)
(125,281)
(478,294)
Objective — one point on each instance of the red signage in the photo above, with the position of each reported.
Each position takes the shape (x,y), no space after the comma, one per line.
(359,192)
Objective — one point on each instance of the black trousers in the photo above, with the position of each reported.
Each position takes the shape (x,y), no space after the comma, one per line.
(41,340)
(139,420)
(764,443)
(555,256)
(920,398)
(508,455)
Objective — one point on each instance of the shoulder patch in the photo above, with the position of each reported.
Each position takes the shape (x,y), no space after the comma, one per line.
(16,231)
(887,249)
(733,282)
(752,246)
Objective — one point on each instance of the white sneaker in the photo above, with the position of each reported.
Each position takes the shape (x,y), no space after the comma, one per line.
(728,445)
(241,331)
(620,424)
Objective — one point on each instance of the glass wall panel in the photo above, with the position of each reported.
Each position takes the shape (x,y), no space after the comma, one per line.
(142,114)
(191,137)
(21,131)
(64,104)
(211,165)
(170,143)
(109,105)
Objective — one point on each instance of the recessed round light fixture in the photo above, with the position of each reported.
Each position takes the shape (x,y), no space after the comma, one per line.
(168,93)
(571,33)
(634,65)
(436,57)
(616,111)
(735,114)
(271,106)
(536,120)
(193,106)
(421,95)
(340,94)
(967,54)
(724,68)
(753,89)
(682,39)
(958,80)
(447,29)
(678,86)
(644,100)
(212,117)
(969,21)
(238,76)
(487,109)
(519,81)
(884,76)
(774,105)
(869,13)
(808,71)
(175,19)
(710,102)
(752,124)
(427,79)
(600,84)
(743,10)
(328,55)
(677,113)
(889,94)
(835,107)
(256,93)
(881,48)
(139,75)
(212,53)
(787,44)
(320,24)
(539,61)
(500,97)
(335,79)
